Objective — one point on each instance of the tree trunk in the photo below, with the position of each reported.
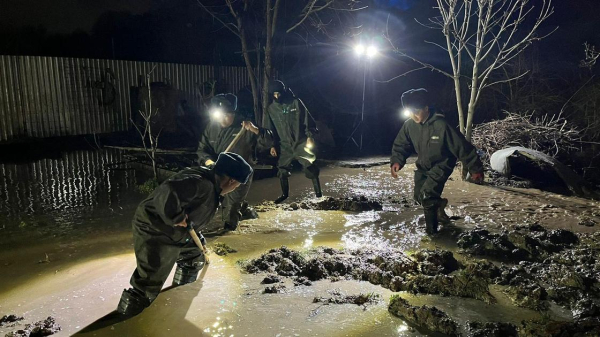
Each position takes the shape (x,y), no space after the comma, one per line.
(251,75)
(267,66)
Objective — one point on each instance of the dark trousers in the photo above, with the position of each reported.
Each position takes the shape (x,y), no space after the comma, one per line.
(429,186)
(297,152)
(232,203)
(156,255)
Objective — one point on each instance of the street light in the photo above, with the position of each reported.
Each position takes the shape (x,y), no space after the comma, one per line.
(366,53)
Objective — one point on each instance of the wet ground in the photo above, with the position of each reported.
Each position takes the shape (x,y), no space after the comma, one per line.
(67,252)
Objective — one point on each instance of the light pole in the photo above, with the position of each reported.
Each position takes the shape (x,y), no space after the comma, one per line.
(366,54)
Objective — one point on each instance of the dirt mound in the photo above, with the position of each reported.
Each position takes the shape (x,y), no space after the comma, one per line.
(356,204)
(426,316)
(491,329)
(532,243)
(389,268)
(339,298)
(222,249)
(46,327)
(566,277)
(10,320)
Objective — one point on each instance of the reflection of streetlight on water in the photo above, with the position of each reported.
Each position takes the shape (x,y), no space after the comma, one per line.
(367,54)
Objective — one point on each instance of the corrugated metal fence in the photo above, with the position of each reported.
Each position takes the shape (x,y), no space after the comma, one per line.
(52,96)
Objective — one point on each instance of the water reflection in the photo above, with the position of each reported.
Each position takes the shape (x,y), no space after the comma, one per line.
(59,190)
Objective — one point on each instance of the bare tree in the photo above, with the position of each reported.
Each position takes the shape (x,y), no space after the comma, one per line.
(591,56)
(239,16)
(480,38)
(149,138)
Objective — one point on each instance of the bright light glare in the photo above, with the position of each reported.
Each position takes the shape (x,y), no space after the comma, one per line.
(406,113)
(372,51)
(359,49)
(216,114)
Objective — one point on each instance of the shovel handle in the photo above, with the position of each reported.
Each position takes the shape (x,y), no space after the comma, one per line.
(199,243)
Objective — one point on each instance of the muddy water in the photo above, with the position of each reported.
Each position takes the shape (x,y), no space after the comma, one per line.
(84,272)
(70,195)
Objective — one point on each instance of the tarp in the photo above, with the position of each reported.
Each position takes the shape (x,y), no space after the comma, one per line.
(541,169)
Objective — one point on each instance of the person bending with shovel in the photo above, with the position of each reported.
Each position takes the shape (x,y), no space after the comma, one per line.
(165,226)
(229,132)
(438,146)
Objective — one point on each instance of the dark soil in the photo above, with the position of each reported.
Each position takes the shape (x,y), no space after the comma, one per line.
(46,327)
(276,289)
(531,243)
(9,320)
(356,204)
(390,268)
(340,298)
(270,279)
(558,266)
(426,316)
(222,249)
(491,329)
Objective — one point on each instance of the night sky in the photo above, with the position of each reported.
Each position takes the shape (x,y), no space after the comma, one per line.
(325,74)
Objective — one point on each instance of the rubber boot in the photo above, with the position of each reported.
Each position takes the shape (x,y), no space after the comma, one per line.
(285,190)
(248,212)
(317,187)
(185,275)
(431,220)
(442,216)
(230,226)
(132,302)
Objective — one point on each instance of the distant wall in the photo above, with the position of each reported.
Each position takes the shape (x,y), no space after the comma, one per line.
(53,96)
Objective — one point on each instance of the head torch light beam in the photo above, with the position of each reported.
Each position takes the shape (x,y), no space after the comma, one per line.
(216,113)
(406,112)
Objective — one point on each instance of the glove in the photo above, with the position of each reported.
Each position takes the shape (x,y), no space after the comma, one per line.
(477,177)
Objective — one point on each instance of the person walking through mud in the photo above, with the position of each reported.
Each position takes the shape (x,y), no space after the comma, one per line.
(291,125)
(438,146)
(160,227)
(226,124)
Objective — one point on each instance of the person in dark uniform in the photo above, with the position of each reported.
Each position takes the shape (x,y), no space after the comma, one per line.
(291,126)
(160,227)
(225,126)
(438,146)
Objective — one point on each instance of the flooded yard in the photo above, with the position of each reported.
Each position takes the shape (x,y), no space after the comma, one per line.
(67,253)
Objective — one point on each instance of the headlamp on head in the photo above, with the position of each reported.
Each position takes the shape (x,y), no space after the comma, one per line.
(217,113)
(407,112)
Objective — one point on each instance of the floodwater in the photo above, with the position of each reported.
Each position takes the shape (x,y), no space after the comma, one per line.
(67,251)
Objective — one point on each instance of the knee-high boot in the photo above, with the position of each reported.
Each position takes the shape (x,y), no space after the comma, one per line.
(285,190)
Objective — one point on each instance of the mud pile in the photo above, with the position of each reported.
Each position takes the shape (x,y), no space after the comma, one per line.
(491,329)
(570,278)
(222,249)
(425,316)
(428,271)
(10,320)
(46,327)
(339,298)
(561,268)
(356,204)
(533,243)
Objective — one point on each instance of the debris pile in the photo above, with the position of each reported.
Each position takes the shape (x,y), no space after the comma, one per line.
(46,327)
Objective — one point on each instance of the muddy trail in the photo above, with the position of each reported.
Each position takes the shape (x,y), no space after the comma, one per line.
(353,263)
